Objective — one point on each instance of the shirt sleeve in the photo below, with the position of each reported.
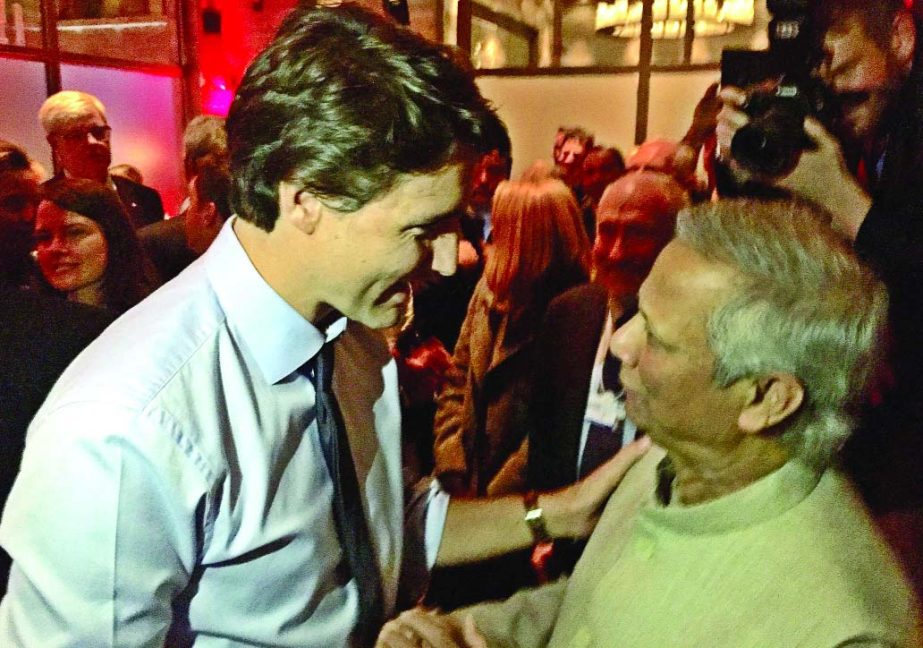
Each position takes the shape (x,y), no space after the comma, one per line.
(437,508)
(85,573)
(424,521)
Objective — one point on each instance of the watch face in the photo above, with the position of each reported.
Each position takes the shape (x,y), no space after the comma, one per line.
(535,518)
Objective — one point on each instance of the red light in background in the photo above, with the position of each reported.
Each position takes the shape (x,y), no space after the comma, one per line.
(216,97)
(223,56)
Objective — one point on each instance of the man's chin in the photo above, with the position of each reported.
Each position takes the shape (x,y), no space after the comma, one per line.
(384,316)
(617,285)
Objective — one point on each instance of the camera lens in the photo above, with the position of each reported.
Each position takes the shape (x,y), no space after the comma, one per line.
(764,151)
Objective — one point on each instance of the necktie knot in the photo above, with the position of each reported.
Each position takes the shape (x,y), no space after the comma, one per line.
(319,369)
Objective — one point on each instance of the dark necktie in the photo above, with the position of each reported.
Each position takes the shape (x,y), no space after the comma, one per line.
(603,441)
(352,529)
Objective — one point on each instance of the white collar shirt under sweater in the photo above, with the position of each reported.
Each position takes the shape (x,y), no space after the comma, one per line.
(173,486)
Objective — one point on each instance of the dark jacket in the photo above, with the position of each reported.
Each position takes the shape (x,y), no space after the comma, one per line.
(39,336)
(567,344)
(885,456)
(143,203)
(164,242)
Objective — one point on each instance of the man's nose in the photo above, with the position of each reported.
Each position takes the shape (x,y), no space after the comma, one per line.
(57,243)
(625,341)
(615,242)
(445,253)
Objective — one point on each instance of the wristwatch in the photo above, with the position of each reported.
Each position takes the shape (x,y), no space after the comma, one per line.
(535,518)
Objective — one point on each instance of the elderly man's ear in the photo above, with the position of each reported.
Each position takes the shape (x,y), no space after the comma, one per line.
(771,399)
(903,39)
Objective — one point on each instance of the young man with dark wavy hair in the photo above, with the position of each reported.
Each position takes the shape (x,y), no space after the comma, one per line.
(203,475)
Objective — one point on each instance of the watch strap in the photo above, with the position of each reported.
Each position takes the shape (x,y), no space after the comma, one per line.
(535,518)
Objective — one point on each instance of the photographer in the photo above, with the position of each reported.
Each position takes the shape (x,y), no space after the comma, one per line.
(867,170)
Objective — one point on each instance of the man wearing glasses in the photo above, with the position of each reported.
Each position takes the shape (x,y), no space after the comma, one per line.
(80,138)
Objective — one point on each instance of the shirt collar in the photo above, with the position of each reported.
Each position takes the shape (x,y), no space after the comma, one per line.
(277,336)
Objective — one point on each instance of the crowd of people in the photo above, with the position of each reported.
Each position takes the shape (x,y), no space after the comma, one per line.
(369,389)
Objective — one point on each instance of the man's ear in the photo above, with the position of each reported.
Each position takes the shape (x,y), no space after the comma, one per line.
(300,208)
(903,39)
(54,154)
(772,399)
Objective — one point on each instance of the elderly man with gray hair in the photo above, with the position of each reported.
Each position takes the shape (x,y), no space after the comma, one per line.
(757,329)
(80,138)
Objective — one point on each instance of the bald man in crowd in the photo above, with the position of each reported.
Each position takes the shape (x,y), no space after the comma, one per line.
(577,413)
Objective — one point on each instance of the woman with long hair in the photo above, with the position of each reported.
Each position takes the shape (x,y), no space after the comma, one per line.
(539,249)
(86,248)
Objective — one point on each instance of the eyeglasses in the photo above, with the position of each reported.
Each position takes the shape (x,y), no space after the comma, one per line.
(99,133)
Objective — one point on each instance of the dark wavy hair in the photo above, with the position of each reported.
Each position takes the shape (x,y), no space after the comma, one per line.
(13,158)
(213,184)
(129,276)
(341,104)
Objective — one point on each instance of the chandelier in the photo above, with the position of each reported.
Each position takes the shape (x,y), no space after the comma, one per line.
(622,18)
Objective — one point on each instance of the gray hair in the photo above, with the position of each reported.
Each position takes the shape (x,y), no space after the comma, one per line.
(63,109)
(803,305)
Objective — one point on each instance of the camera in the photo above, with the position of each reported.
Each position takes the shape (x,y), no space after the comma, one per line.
(782,91)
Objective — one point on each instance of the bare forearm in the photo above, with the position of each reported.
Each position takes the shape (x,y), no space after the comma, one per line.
(481,528)
(476,529)
(849,206)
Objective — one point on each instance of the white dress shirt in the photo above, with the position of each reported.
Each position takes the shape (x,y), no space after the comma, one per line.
(591,414)
(173,486)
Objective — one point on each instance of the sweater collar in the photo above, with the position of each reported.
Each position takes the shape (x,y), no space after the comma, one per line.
(765,499)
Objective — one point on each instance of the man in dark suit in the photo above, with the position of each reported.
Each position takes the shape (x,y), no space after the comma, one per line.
(143,204)
(76,128)
(19,197)
(576,416)
(164,242)
(175,243)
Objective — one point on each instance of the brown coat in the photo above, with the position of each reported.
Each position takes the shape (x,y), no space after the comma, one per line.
(480,426)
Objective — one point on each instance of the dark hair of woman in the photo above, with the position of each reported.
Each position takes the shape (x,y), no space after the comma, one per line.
(129,276)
